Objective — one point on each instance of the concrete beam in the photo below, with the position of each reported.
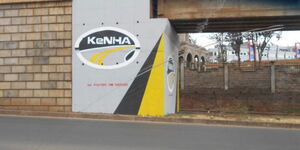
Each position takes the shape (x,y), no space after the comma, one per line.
(235,24)
(197,9)
(194,16)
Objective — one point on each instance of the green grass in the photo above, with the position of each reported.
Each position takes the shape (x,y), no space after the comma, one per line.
(290,111)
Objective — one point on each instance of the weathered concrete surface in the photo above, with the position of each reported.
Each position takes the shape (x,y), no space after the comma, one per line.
(199,9)
(230,15)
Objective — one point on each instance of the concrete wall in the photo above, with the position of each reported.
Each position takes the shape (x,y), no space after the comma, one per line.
(35,56)
(248,90)
(136,86)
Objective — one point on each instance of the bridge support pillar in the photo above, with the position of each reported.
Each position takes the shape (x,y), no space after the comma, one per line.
(124,62)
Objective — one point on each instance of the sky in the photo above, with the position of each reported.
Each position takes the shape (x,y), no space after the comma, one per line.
(288,38)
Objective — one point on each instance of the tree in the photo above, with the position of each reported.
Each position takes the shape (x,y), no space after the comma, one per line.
(220,37)
(261,40)
(236,40)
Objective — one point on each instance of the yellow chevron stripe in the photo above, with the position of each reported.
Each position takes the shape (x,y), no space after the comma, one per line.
(153,99)
(99,57)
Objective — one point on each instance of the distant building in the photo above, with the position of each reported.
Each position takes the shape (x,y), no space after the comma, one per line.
(191,53)
(272,52)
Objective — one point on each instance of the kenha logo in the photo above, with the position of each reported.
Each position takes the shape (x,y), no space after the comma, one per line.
(107,48)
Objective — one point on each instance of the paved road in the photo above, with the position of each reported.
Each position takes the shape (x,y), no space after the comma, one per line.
(18,133)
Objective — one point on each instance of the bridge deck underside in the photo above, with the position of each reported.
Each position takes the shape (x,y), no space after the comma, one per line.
(285,23)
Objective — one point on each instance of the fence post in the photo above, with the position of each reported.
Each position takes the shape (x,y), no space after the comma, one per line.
(226,76)
(273,78)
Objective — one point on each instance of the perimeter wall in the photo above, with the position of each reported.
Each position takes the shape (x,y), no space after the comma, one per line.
(249,89)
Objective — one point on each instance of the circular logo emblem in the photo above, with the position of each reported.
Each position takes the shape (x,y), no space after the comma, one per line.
(171,74)
(107,48)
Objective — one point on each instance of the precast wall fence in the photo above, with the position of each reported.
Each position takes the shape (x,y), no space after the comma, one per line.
(270,88)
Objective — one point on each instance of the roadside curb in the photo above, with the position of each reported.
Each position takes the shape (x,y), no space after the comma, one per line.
(150,119)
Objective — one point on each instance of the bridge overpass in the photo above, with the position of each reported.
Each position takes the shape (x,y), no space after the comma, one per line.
(194,16)
(228,15)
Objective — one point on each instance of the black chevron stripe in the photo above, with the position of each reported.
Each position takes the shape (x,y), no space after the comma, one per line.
(132,100)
